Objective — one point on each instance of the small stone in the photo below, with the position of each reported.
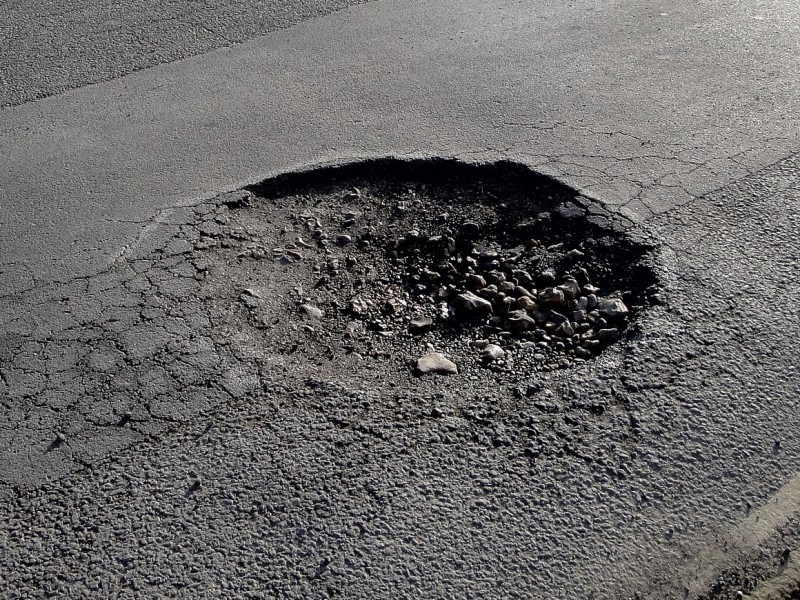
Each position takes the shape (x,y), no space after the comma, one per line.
(419,325)
(492,352)
(358,307)
(479,343)
(590,289)
(569,210)
(248,301)
(547,277)
(551,297)
(520,291)
(518,320)
(607,335)
(571,289)
(475,281)
(437,363)
(294,254)
(582,353)
(526,303)
(506,287)
(430,276)
(312,311)
(393,306)
(575,254)
(343,239)
(522,277)
(474,305)
(565,329)
(612,308)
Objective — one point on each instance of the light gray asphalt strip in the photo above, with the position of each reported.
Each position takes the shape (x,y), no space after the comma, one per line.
(50,47)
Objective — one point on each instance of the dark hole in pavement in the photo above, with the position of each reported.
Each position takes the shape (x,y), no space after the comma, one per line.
(493,266)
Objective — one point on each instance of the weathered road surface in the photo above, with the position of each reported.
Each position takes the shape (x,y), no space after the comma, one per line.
(141,456)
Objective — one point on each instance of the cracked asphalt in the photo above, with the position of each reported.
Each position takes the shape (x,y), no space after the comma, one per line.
(150,447)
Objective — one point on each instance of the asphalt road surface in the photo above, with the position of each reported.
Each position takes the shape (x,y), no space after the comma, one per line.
(158,440)
(51,47)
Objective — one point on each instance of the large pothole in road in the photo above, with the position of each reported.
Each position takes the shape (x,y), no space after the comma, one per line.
(445,267)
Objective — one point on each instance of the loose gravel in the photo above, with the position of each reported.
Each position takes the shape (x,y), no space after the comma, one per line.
(483,267)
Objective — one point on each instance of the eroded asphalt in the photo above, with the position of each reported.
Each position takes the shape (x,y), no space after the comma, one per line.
(147,450)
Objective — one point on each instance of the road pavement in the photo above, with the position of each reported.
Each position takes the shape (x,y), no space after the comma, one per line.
(680,122)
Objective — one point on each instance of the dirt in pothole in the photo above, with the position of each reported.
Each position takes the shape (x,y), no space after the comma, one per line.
(437,266)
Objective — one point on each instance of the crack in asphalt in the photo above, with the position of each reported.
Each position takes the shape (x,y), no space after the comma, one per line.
(148,386)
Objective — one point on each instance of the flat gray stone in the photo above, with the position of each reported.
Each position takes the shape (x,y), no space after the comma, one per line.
(437,363)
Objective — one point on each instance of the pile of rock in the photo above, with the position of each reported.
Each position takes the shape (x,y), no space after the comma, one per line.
(505,293)
(500,297)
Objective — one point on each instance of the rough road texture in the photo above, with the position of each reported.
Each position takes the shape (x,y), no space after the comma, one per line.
(51,47)
(249,473)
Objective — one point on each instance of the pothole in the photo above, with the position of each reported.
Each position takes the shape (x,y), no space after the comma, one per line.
(447,267)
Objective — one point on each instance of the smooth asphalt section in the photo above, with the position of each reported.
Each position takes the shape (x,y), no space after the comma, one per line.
(682,119)
(50,47)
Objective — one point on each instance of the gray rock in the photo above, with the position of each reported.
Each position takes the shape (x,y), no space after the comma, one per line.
(571,289)
(435,362)
(520,291)
(551,297)
(607,335)
(312,311)
(492,352)
(473,305)
(518,320)
(565,329)
(475,281)
(590,289)
(526,303)
(612,308)
(522,277)
(420,325)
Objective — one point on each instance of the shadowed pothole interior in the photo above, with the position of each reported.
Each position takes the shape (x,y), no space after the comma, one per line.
(446,267)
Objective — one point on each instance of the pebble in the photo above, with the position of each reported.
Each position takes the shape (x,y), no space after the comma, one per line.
(607,335)
(612,308)
(475,282)
(294,254)
(551,297)
(312,311)
(492,352)
(519,320)
(343,239)
(570,289)
(419,325)
(437,363)
(475,305)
